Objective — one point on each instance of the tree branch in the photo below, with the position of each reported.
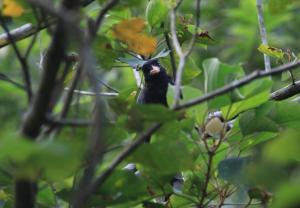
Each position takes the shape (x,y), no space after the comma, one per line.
(68,122)
(88,93)
(247,79)
(182,55)
(7,79)
(286,92)
(22,60)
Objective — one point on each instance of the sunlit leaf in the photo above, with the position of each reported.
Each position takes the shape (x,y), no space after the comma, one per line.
(130,32)
(12,9)
(142,44)
(271,51)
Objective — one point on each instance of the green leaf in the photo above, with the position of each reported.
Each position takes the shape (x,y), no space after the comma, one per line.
(271,51)
(255,139)
(156,12)
(46,196)
(232,169)
(279,6)
(217,75)
(191,71)
(285,113)
(104,51)
(121,187)
(197,112)
(284,148)
(251,122)
(164,157)
(55,160)
(153,112)
(252,102)
(287,194)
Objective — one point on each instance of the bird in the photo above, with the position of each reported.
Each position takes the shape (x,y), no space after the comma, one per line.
(155,92)
(156,84)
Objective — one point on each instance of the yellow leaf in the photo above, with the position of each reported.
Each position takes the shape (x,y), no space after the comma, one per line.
(12,9)
(271,51)
(135,25)
(130,32)
(142,44)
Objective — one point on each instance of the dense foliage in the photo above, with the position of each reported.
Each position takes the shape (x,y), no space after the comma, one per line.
(70,78)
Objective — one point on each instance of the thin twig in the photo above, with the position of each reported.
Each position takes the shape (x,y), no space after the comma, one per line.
(182,54)
(68,122)
(35,34)
(263,33)
(172,56)
(206,180)
(21,59)
(88,93)
(7,79)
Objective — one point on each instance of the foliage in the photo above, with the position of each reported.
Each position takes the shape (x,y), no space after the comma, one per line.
(239,147)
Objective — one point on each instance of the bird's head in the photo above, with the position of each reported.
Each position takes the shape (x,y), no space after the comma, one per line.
(152,69)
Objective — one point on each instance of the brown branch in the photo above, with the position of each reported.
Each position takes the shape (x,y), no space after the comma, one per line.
(207,178)
(286,92)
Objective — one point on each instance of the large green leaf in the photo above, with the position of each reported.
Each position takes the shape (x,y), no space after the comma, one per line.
(285,113)
(251,122)
(164,157)
(285,147)
(121,187)
(55,160)
(218,75)
(156,12)
(232,169)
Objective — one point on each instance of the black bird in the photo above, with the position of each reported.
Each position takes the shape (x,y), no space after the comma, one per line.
(155,87)
(156,84)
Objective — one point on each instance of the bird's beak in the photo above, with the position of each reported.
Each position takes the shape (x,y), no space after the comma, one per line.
(155,70)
